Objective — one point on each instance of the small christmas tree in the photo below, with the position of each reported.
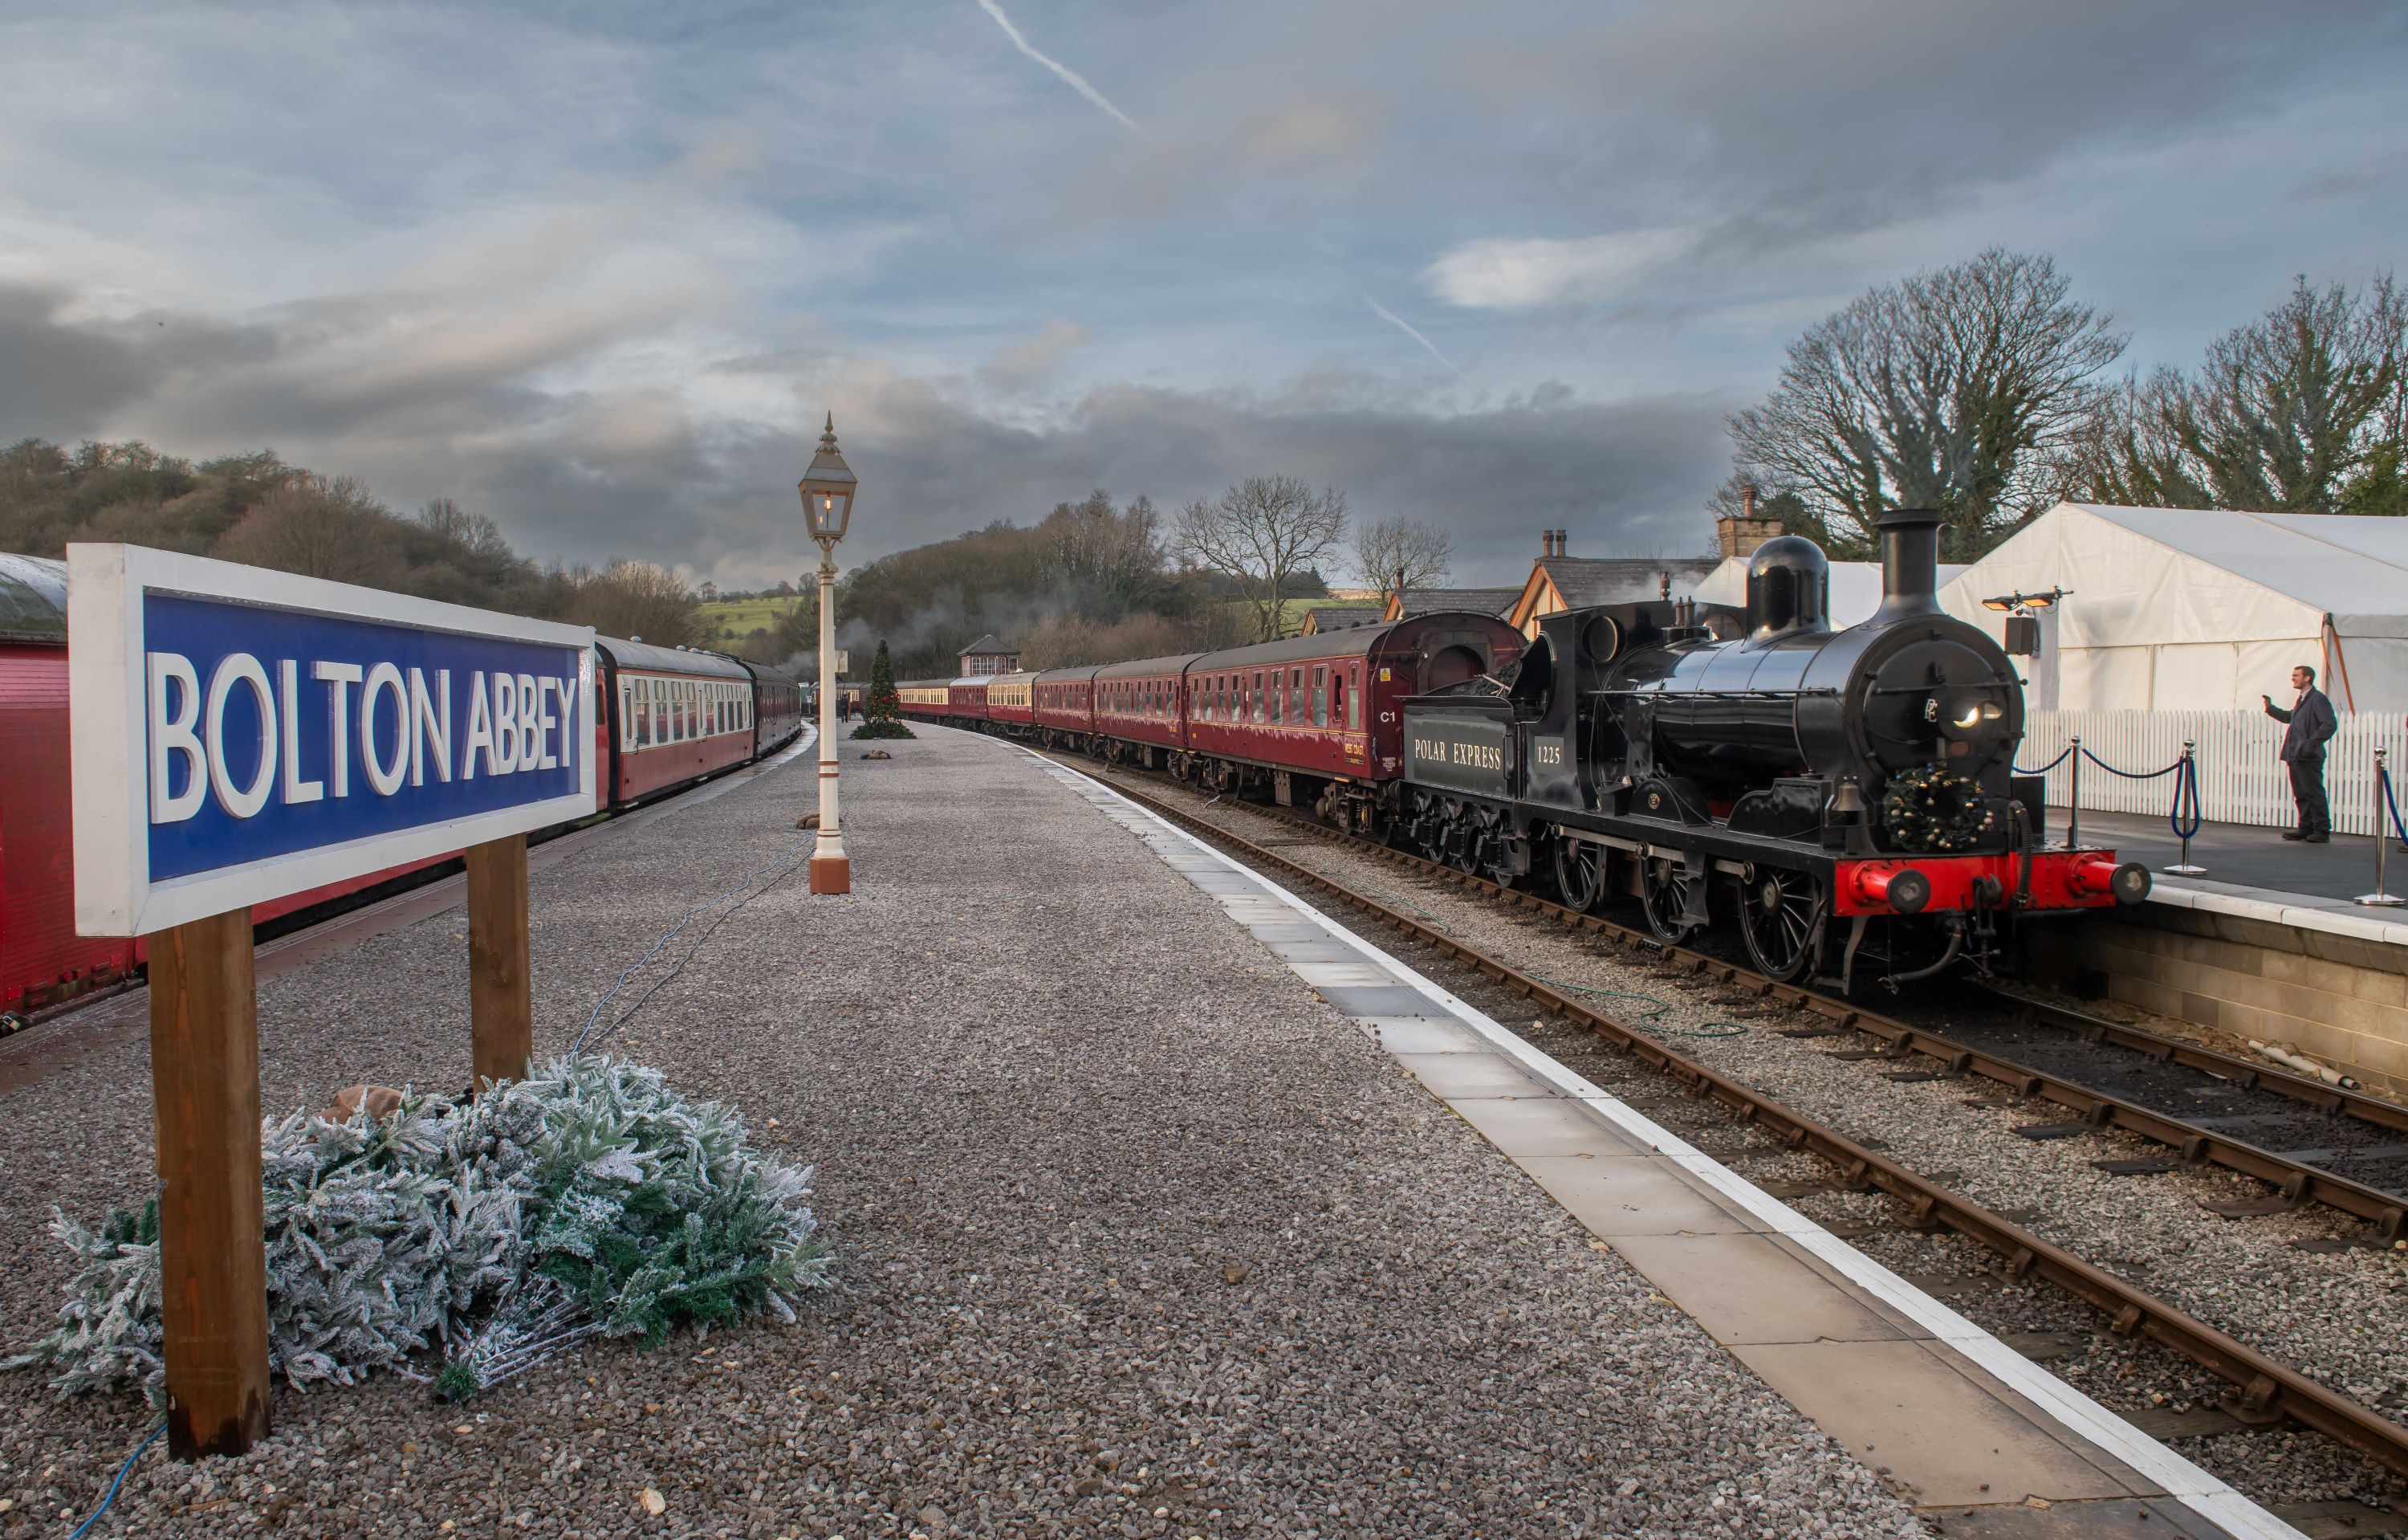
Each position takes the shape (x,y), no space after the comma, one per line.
(881,710)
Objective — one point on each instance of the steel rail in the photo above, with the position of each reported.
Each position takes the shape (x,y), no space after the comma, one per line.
(2267,1391)
(2252,1075)
(2386,1211)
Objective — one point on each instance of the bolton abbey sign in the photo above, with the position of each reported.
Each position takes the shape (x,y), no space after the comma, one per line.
(240,735)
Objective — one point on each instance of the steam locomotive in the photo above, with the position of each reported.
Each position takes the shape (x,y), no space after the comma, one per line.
(1846,797)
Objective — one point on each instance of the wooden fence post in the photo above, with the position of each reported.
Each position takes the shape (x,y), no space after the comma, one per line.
(212,1257)
(501,1001)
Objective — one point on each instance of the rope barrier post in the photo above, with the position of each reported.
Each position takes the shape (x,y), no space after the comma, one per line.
(2381,897)
(2186,787)
(2074,797)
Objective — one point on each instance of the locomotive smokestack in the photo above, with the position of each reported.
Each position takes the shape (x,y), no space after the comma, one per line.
(1910,544)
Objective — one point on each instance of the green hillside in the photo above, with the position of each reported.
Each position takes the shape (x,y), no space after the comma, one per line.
(733,620)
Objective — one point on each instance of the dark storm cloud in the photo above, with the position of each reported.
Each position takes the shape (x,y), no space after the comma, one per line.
(1622,476)
(587,476)
(56,379)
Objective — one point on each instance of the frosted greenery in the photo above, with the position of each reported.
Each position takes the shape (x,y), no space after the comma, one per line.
(468,1242)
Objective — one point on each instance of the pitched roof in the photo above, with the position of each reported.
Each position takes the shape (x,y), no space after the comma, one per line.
(33,600)
(987,646)
(1480,602)
(1336,617)
(1583,580)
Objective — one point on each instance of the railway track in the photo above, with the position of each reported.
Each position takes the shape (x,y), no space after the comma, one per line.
(2264,1390)
(2296,1179)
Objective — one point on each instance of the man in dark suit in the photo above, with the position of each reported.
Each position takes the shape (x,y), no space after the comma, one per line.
(2311,725)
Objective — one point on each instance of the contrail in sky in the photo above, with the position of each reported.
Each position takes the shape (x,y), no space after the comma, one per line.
(1401,324)
(1070,77)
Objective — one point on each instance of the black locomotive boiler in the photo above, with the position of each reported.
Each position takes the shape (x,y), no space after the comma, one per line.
(1847,798)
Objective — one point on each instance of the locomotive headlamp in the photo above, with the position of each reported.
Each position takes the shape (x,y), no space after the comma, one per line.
(1978,713)
(2020,603)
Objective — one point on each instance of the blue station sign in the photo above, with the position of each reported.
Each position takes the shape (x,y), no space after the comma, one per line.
(240,735)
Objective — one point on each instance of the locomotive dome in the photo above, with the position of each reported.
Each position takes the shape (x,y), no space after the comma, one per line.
(1788,589)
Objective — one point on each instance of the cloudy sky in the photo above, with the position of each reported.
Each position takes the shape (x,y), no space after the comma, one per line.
(596,270)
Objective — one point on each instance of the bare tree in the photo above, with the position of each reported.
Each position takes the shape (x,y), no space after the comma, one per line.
(1952,390)
(1261,535)
(1407,553)
(636,600)
(2300,412)
(319,526)
(1110,558)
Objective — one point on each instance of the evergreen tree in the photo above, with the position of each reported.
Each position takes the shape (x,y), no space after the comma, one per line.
(882,709)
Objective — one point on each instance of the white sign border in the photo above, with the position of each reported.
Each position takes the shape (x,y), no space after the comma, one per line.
(114,895)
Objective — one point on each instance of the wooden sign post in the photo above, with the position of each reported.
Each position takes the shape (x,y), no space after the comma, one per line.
(213,1271)
(501,984)
(239,736)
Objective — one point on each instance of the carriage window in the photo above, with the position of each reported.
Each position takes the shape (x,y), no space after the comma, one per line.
(1320,696)
(626,714)
(1355,705)
(1295,696)
(643,714)
(1279,698)
(1254,696)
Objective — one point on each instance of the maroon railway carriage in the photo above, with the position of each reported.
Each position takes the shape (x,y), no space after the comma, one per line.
(928,699)
(1010,701)
(966,698)
(1064,704)
(681,716)
(1140,708)
(666,718)
(961,700)
(1330,706)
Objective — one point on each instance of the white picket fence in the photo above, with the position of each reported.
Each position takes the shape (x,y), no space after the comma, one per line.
(2240,779)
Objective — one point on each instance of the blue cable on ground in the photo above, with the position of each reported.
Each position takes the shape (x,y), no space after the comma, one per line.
(120,1481)
(595,1016)
(792,858)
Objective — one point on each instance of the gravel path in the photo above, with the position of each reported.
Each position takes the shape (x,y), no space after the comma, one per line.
(1138,1238)
(2341,1317)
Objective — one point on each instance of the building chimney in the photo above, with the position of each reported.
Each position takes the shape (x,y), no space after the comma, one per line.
(1910,547)
(1740,535)
(1546,543)
(1563,538)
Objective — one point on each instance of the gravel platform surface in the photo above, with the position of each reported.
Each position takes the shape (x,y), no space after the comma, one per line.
(2342,1317)
(1137,1237)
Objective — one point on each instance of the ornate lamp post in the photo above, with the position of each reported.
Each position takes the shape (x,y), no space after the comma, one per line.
(827,490)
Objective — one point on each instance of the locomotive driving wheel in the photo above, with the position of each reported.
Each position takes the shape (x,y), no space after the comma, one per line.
(1782,915)
(1580,872)
(1665,895)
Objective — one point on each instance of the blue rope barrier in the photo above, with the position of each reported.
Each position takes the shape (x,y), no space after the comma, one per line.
(2382,783)
(2130,775)
(2060,759)
(2185,799)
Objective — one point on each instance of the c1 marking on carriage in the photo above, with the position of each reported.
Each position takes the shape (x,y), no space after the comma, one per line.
(238,735)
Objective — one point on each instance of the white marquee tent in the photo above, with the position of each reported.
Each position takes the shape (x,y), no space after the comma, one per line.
(1855,588)
(2174,609)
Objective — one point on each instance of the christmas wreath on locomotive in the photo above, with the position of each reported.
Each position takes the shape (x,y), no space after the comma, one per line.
(1846,798)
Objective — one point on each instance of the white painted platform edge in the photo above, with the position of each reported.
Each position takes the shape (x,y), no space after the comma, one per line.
(2287,909)
(2212,1498)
